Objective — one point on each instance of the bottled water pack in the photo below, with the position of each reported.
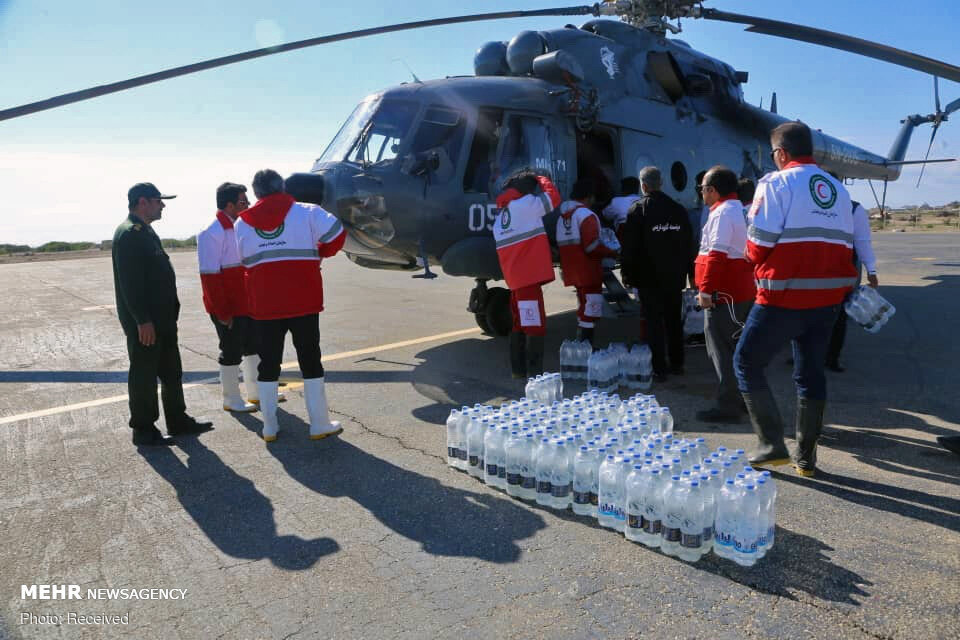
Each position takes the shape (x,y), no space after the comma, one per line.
(868,308)
(619,462)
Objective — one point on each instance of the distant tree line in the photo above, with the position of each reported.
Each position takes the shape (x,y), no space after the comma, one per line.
(57,246)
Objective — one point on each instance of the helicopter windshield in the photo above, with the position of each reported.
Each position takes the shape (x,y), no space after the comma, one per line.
(373,134)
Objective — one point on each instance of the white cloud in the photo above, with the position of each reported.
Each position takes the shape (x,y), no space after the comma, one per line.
(81,194)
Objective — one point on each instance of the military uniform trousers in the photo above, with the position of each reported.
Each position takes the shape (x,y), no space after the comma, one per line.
(161,360)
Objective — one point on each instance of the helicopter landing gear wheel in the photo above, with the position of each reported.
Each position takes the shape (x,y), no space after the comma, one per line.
(498,316)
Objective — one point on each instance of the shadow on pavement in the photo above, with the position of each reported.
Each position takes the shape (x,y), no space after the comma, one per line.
(796,563)
(445,521)
(79,377)
(227,507)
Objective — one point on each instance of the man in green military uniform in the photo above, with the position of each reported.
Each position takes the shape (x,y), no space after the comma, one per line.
(147,305)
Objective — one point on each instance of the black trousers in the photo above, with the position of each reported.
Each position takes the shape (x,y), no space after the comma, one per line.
(306,340)
(838,337)
(662,309)
(236,341)
(162,360)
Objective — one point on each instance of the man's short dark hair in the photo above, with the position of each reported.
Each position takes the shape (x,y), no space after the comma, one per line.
(524,181)
(629,186)
(582,188)
(794,138)
(745,190)
(229,193)
(722,179)
(267,182)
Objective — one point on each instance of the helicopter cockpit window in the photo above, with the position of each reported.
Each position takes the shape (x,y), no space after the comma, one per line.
(374,133)
(526,145)
(440,128)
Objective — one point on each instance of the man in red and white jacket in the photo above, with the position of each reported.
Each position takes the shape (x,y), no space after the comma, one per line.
(281,244)
(527,264)
(725,281)
(221,277)
(801,243)
(581,253)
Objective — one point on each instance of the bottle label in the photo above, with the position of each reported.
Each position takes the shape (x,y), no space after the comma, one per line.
(670,534)
(609,510)
(691,540)
(620,514)
(560,490)
(634,522)
(513,478)
(474,461)
(708,533)
(722,538)
(492,470)
(744,546)
(653,527)
(462,454)
(528,482)
(544,487)
(451,452)
(594,499)
(502,471)
(581,497)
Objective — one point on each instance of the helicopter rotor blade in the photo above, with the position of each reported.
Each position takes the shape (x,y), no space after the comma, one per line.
(936,93)
(952,106)
(150,78)
(837,41)
(923,167)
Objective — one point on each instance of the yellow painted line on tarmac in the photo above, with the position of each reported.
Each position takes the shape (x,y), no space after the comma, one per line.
(286,365)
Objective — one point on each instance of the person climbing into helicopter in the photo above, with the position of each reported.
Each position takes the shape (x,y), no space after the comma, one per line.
(616,212)
(581,254)
(527,264)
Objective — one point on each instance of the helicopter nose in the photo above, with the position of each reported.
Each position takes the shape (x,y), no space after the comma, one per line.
(366,218)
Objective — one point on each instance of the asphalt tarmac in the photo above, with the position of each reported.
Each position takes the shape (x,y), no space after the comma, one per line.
(372,536)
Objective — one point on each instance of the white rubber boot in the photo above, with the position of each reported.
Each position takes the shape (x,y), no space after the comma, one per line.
(316,399)
(268,410)
(250,366)
(230,385)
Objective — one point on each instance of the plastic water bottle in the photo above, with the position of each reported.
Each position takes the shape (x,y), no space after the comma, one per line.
(453,439)
(692,523)
(475,433)
(561,479)
(746,534)
(653,490)
(493,457)
(666,420)
(726,520)
(545,472)
(709,510)
(567,359)
(584,481)
(609,491)
(634,487)
(673,497)
(528,468)
(594,370)
(514,451)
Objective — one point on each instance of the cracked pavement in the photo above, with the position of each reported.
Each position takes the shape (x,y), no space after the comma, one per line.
(371,534)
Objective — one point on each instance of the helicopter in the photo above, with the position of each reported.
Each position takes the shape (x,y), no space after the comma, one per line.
(414,171)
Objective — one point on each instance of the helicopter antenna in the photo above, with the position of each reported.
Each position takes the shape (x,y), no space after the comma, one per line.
(404,63)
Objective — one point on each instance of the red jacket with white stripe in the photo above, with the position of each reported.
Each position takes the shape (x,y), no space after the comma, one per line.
(720,264)
(281,243)
(801,238)
(522,244)
(221,274)
(581,252)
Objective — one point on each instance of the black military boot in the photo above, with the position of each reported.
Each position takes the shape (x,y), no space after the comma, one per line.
(765,418)
(585,333)
(809,427)
(534,356)
(518,355)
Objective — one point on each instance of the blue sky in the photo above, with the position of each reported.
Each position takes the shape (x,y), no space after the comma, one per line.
(64,173)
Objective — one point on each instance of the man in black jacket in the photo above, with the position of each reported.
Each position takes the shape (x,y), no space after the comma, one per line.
(148,309)
(656,255)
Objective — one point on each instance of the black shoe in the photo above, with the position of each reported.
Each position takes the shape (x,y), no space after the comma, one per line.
(834,365)
(950,443)
(714,414)
(151,438)
(188,426)
(659,377)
